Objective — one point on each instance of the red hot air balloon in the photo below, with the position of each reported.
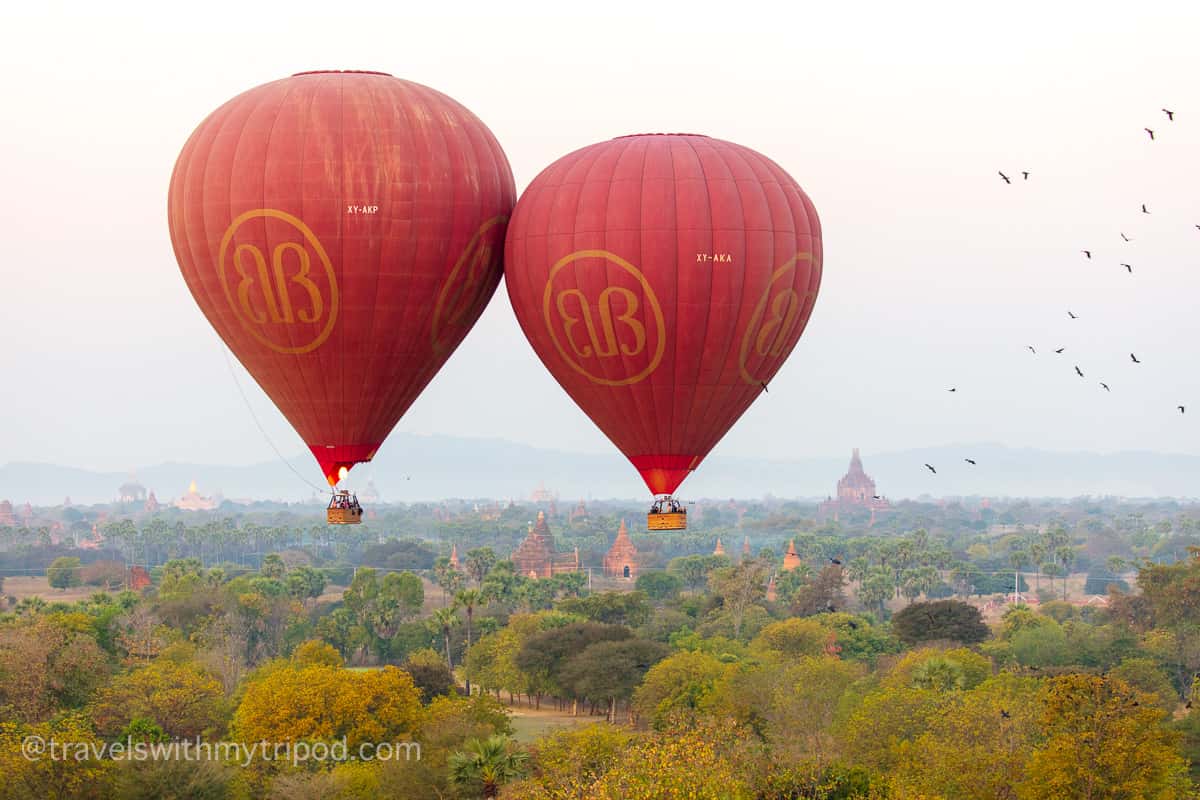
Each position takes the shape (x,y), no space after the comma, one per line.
(663,280)
(342,231)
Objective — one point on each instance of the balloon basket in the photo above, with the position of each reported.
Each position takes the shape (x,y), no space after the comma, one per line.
(667,521)
(343,509)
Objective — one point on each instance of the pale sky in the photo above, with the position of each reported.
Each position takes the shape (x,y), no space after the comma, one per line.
(893,117)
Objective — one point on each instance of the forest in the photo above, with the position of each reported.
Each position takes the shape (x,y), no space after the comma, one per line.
(891,661)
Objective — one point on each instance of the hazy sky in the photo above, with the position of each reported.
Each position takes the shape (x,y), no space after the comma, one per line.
(894,118)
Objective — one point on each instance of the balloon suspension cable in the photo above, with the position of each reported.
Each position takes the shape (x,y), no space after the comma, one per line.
(257,424)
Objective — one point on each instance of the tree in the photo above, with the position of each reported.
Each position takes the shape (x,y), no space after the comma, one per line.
(292,703)
(48,665)
(821,594)
(1102,739)
(543,655)
(272,566)
(941,619)
(678,688)
(470,599)
(794,638)
(487,764)
(693,570)
(739,588)
(305,583)
(610,671)
(63,573)
(479,563)
(381,606)
(977,748)
(445,576)
(314,651)
(659,586)
(181,698)
(611,608)
(430,674)
(445,619)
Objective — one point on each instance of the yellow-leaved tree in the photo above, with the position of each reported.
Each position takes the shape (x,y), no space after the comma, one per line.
(318,702)
(1102,739)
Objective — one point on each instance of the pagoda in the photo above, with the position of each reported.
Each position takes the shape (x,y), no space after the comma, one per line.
(621,560)
(746,548)
(772,593)
(6,514)
(791,559)
(453,563)
(151,505)
(719,550)
(535,556)
(855,491)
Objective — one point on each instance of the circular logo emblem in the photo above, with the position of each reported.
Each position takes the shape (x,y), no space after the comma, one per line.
(282,298)
(465,291)
(776,323)
(606,329)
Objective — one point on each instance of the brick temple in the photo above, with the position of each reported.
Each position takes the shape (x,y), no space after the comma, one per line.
(855,492)
(621,561)
(535,556)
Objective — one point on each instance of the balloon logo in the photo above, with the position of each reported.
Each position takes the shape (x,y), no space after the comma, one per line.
(264,293)
(467,288)
(773,324)
(611,327)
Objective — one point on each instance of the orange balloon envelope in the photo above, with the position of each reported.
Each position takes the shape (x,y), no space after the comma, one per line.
(342,231)
(663,280)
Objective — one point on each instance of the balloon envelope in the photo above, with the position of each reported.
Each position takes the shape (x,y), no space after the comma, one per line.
(663,280)
(342,232)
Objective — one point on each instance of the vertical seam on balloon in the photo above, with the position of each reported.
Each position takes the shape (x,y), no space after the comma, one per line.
(293,359)
(419,378)
(631,390)
(671,447)
(386,342)
(742,289)
(381,407)
(229,206)
(382,162)
(745,398)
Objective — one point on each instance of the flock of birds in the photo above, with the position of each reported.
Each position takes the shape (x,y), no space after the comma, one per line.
(1071,314)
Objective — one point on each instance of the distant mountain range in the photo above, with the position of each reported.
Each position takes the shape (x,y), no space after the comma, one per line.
(414,467)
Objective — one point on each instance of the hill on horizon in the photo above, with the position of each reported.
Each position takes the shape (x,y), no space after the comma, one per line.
(414,467)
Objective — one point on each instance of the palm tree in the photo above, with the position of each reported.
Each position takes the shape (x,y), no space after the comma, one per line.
(445,619)
(470,599)
(488,763)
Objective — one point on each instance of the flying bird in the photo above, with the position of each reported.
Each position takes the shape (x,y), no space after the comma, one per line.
(1126,238)
(931,469)
(1135,358)
(1147,130)
(1180,409)
(1025,175)
(1087,253)
(1128,267)
(1144,209)
(835,561)
(877,497)
(1059,350)
(1170,115)
(970,461)
(1105,385)
(1031,349)
(765,388)
(952,389)
(1071,315)
(1078,370)
(1004,714)
(1006,180)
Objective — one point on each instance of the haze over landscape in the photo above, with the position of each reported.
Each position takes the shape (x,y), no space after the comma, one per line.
(633,536)
(937,273)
